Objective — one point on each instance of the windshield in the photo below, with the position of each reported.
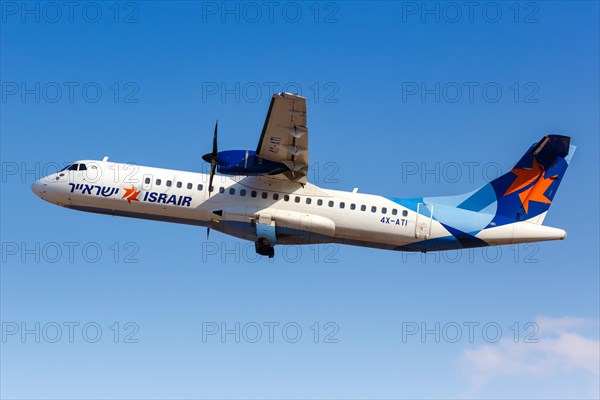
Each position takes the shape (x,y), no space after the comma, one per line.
(75,167)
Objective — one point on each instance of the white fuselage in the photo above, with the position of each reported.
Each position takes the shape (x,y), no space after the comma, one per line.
(301,214)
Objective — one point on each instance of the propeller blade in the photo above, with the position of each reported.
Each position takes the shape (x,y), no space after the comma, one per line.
(213,166)
(212,158)
(207,233)
(215,150)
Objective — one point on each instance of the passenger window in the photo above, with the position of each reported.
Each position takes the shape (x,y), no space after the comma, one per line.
(363,208)
(275,196)
(242,192)
(373,209)
(169,183)
(394,212)
(179,184)
(200,187)
(330,203)
(308,200)
(384,210)
(73,167)
(265,195)
(286,198)
(253,193)
(82,167)
(232,191)
(404,213)
(189,186)
(319,202)
(158,182)
(353,206)
(147,181)
(297,199)
(342,204)
(221,190)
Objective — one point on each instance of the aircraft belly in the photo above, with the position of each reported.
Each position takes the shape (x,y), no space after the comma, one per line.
(291,227)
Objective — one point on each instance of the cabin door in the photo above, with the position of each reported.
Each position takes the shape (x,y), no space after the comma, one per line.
(424,218)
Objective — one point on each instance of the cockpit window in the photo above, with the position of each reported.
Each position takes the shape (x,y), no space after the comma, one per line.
(82,167)
(70,167)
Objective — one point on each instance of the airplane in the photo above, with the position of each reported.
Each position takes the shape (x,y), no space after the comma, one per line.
(263,196)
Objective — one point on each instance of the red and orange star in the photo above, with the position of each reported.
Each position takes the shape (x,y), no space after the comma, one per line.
(131,194)
(535,183)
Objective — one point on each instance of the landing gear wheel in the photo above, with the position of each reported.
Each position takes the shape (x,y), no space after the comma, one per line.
(264,248)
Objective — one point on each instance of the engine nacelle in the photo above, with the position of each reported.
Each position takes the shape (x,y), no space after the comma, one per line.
(246,162)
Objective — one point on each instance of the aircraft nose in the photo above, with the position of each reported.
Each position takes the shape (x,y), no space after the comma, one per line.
(39,188)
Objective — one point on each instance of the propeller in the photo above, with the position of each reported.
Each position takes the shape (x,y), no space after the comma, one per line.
(212,159)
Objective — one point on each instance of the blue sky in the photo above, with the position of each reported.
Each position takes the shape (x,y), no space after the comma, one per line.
(404,99)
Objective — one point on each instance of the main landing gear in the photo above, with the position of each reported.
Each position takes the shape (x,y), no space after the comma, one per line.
(264,248)
(265,236)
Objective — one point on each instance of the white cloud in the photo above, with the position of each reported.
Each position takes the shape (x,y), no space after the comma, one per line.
(564,324)
(562,347)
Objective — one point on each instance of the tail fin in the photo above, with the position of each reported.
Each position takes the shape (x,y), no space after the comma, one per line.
(526,192)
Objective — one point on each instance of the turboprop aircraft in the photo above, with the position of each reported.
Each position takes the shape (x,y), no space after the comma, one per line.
(263,196)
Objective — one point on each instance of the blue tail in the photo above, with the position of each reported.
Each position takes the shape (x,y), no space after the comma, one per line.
(526,192)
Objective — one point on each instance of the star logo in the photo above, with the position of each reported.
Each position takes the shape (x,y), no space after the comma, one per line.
(131,194)
(525,177)
(531,185)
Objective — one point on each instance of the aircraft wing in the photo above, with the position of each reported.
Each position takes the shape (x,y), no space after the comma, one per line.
(284,137)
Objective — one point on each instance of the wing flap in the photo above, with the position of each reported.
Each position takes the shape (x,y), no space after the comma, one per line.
(284,137)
